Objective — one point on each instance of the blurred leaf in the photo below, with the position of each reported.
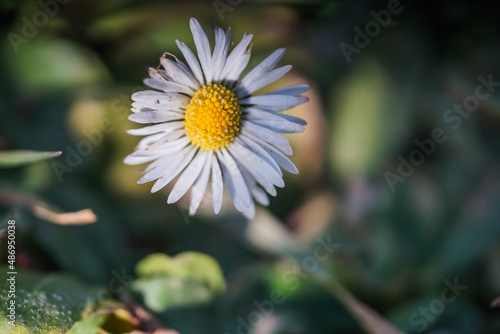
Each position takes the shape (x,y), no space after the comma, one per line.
(370,119)
(189,265)
(106,320)
(88,325)
(185,280)
(24,157)
(49,62)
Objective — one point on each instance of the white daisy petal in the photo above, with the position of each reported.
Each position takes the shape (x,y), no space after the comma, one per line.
(155,116)
(249,212)
(237,61)
(202,45)
(260,196)
(188,177)
(278,156)
(265,66)
(163,127)
(217,185)
(192,61)
(267,78)
(294,119)
(282,126)
(200,185)
(149,140)
(258,150)
(179,72)
(286,149)
(275,100)
(260,170)
(168,86)
(294,90)
(131,160)
(258,114)
(263,133)
(222,41)
(174,171)
(257,192)
(169,141)
(159,101)
(162,166)
(237,190)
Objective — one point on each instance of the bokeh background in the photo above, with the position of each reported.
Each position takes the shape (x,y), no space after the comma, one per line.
(393,248)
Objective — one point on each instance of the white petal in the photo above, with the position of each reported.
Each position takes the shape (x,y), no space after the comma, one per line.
(265,66)
(149,140)
(159,101)
(155,116)
(170,140)
(281,126)
(168,86)
(188,177)
(217,185)
(162,166)
(192,61)
(263,133)
(257,149)
(200,185)
(275,100)
(202,44)
(260,196)
(257,192)
(222,41)
(264,173)
(293,90)
(179,72)
(286,149)
(234,181)
(163,127)
(131,160)
(294,119)
(278,156)
(172,172)
(236,61)
(267,78)
(258,114)
(249,212)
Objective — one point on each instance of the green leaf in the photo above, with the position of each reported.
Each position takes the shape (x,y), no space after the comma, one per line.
(189,265)
(88,325)
(185,280)
(369,120)
(24,157)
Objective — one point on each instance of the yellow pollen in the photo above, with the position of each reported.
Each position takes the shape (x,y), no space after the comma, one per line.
(212,117)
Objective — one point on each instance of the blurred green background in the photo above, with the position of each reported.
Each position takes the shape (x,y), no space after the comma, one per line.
(401,238)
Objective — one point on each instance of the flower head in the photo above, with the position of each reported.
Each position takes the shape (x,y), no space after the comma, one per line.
(209,126)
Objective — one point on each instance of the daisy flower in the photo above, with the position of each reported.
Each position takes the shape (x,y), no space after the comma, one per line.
(209,126)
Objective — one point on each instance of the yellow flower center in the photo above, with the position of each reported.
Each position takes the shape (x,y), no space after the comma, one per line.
(212,117)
